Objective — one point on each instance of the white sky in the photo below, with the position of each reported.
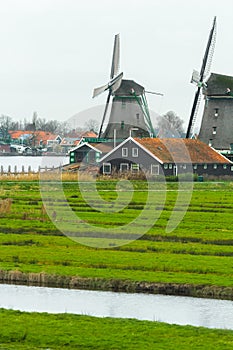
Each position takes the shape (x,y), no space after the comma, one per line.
(54,52)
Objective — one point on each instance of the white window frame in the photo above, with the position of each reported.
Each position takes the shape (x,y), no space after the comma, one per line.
(170,166)
(165,166)
(136,170)
(124,164)
(224,166)
(154,166)
(232,168)
(215,166)
(195,166)
(124,152)
(110,166)
(205,166)
(134,152)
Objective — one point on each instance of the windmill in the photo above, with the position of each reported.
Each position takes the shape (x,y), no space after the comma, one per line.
(198,78)
(129,110)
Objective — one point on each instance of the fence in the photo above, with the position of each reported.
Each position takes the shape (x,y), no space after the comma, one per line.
(15,171)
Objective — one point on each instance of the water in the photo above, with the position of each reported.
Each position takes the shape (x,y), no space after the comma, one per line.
(208,313)
(33,162)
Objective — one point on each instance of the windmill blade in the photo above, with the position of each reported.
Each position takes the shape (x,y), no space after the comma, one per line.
(115,57)
(115,83)
(99,90)
(154,93)
(194,111)
(205,64)
(105,113)
(209,50)
(195,77)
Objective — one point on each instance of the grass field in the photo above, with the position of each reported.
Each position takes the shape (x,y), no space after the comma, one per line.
(36,331)
(198,252)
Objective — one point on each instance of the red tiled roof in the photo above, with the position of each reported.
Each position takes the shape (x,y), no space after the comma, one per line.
(181,150)
(39,135)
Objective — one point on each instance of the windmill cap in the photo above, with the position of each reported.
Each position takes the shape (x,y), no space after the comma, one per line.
(129,87)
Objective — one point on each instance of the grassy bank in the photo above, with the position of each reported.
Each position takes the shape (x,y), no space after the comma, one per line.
(36,331)
(197,253)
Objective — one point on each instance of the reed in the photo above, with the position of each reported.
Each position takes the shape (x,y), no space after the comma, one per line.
(5,206)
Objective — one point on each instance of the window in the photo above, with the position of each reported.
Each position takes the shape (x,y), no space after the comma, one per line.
(124,167)
(72,157)
(134,152)
(122,124)
(195,166)
(224,166)
(214,130)
(216,112)
(123,104)
(124,152)
(184,166)
(107,168)
(154,169)
(165,166)
(210,142)
(205,166)
(170,166)
(215,166)
(134,168)
(231,168)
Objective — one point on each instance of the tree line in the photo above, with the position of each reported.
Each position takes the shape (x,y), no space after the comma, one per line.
(41,124)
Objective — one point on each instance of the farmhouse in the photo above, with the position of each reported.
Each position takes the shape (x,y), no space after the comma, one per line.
(165,157)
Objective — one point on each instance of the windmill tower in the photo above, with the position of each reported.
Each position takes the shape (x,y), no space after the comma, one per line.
(129,110)
(199,78)
(217,122)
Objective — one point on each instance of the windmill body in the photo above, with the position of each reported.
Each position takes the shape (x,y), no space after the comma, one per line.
(217,121)
(128,112)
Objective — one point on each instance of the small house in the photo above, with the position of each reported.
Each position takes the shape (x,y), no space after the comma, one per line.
(89,153)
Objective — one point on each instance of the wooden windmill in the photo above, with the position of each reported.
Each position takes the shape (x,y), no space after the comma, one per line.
(129,109)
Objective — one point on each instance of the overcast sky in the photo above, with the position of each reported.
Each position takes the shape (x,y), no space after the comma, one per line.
(54,52)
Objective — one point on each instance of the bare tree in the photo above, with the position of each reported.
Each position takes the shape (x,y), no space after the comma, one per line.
(170,125)
(5,126)
(92,125)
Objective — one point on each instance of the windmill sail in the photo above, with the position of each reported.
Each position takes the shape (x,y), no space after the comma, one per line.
(205,68)
(115,57)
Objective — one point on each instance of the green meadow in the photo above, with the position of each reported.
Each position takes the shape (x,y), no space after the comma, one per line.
(34,331)
(197,252)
